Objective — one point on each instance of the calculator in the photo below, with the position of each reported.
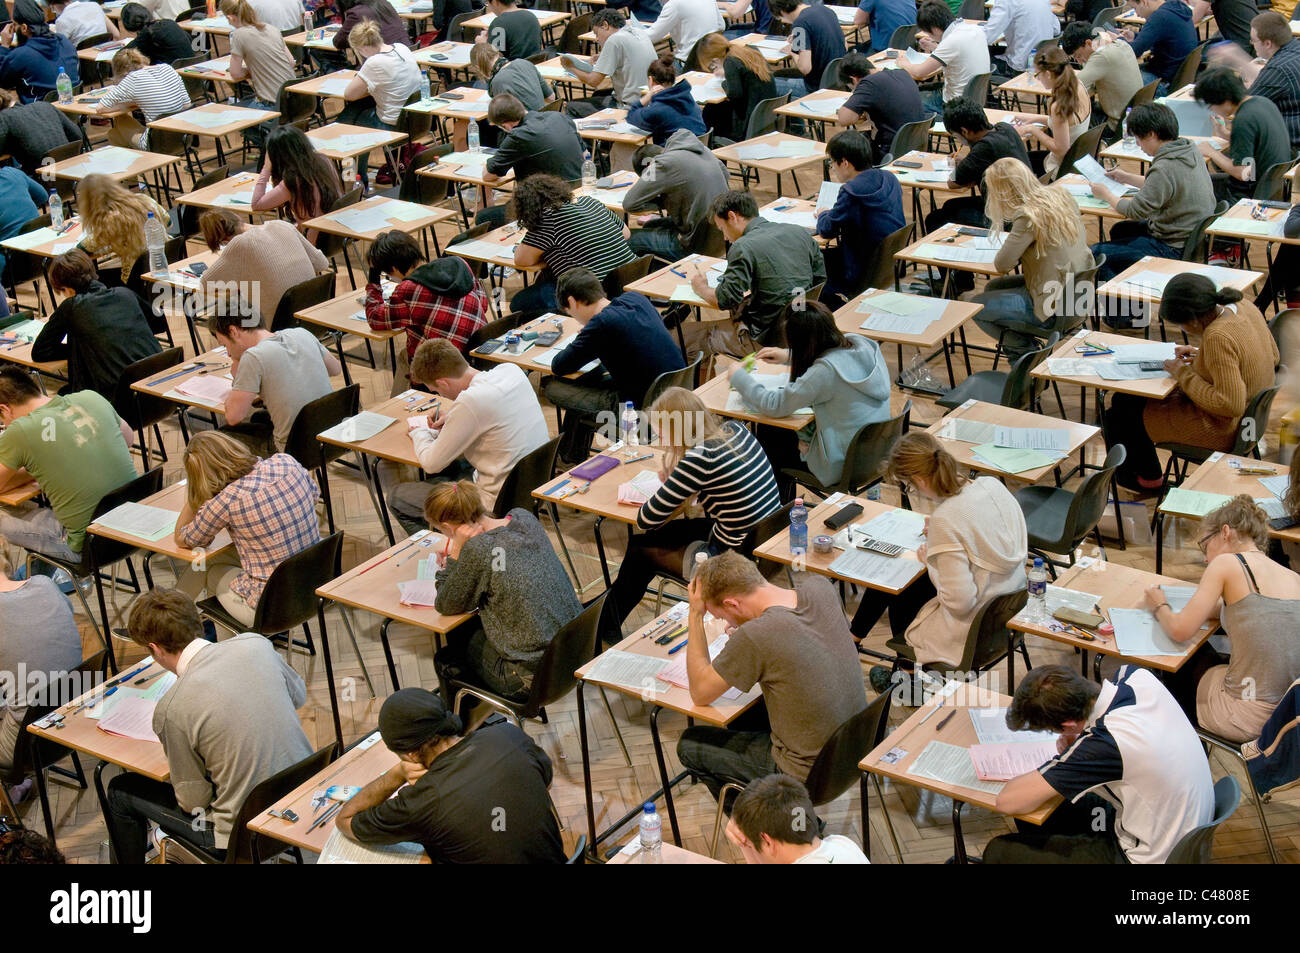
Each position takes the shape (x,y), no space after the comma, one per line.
(490,345)
(1151,365)
(878,546)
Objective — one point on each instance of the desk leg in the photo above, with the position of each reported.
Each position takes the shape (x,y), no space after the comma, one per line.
(372,474)
(958,842)
(1160,540)
(663,775)
(948,345)
(388,652)
(103,807)
(329,672)
(866,825)
(965,350)
(600,550)
(1083,662)
(586,774)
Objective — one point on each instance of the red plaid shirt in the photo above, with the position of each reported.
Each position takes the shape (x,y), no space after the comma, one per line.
(424,314)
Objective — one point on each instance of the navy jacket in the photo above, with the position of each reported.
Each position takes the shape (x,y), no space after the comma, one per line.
(669,110)
(33,67)
(869,208)
(630,339)
(1170,35)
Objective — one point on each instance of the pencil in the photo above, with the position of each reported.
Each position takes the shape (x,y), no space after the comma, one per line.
(409,544)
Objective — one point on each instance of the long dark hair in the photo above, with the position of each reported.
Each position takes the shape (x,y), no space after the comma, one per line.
(538,193)
(810,331)
(1065,99)
(1191,298)
(312,182)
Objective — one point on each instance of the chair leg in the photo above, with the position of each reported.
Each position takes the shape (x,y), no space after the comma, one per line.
(43,791)
(717,818)
(357,649)
(889,824)
(617,734)
(325,494)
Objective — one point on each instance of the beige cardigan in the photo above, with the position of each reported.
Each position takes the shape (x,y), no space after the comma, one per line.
(975,551)
(1044,266)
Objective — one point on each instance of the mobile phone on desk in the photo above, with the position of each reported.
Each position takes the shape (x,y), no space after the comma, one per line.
(547,338)
(197,269)
(450,95)
(908,165)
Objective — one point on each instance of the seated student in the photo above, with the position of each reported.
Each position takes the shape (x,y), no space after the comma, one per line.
(532,142)
(882,18)
(444,11)
(667,104)
(31,54)
(113,221)
(761,21)
(80,20)
(18,845)
(1234,362)
(299,177)
(792,643)
(514,31)
(1231,19)
(1284,274)
(843,378)
(392,28)
(161,40)
(38,631)
(1130,767)
(1022,26)
(626,335)
(99,331)
(1279,78)
(166,9)
(155,91)
(1172,198)
(718,462)
(867,210)
(376,94)
(505,570)
(1046,242)
(258,55)
(258,263)
(28,132)
(267,506)
(774,822)
(683,180)
(450,788)
(644,11)
(684,22)
(1108,69)
(1256,601)
(519,78)
(1069,110)
(494,422)
(1255,131)
(975,549)
(74,446)
(746,82)
(21,200)
(815,41)
(435,299)
(563,232)
(283,369)
(888,98)
(1165,39)
(625,55)
(988,143)
(955,46)
(774,262)
(217,752)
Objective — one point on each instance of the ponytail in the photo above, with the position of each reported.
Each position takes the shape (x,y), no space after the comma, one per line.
(1064,89)
(918,454)
(1190,297)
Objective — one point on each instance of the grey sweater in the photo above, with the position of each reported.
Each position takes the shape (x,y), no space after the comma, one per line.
(512,576)
(229,723)
(685,179)
(1176,195)
(28,132)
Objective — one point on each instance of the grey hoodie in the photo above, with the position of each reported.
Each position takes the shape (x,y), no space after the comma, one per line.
(846,388)
(1176,195)
(685,178)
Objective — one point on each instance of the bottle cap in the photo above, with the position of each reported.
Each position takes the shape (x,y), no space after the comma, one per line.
(649,807)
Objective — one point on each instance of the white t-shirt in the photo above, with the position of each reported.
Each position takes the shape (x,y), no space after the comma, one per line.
(390,78)
(166,9)
(686,21)
(281,14)
(80,21)
(964,53)
(835,849)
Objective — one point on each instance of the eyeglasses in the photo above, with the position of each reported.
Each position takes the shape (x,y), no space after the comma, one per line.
(1203,543)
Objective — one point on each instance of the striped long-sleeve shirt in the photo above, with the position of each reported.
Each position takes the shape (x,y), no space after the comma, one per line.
(733,479)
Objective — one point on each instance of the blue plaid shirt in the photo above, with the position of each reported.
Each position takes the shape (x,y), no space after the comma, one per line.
(1279,81)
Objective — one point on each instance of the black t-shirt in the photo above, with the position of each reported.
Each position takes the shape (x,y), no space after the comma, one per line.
(542,142)
(98,332)
(163,41)
(890,99)
(1002,141)
(516,34)
(1233,17)
(482,801)
(817,29)
(744,92)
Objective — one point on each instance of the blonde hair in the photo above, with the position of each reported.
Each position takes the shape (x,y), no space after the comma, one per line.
(213,461)
(727,574)
(127,61)
(482,58)
(715,46)
(1012,190)
(437,359)
(115,217)
(244,11)
(683,422)
(1243,516)
(918,454)
(365,34)
(454,504)
(1292,499)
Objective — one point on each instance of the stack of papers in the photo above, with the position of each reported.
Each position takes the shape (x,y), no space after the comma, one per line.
(1138,633)
(806,220)
(1091,170)
(342,850)
(1191,502)
(333,85)
(640,488)
(1251,226)
(1178,596)
(991,729)
(896,313)
(234,198)
(1273,508)
(828,194)
(475,248)
(1010,460)
(1106,369)
(1277,485)
(901,527)
(1004,761)
(1059,597)
(627,129)
(967,254)
(211,388)
(108,161)
(351,142)
(768,381)
(704,91)
(27,330)
(356,429)
(791,149)
(826,106)
(418,593)
(1054,440)
(1146,351)
(137,519)
(629,670)
(874,569)
(968,431)
(211,119)
(951,764)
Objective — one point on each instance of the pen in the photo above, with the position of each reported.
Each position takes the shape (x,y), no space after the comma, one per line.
(679,646)
(325,817)
(656,627)
(408,545)
(679,274)
(939,727)
(644,456)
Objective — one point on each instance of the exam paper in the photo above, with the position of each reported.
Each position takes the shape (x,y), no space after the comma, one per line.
(868,567)
(674,673)
(1178,596)
(1277,485)
(214,388)
(130,718)
(1053,439)
(1012,461)
(138,519)
(637,672)
(968,431)
(1191,502)
(356,429)
(334,86)
(1273,508)
(951,764)
(210,120)
(956,253)
(342,850)
(823,107)
(904,528)
(108,161)
(1058,597)
(991,729)
(1146,351)
(418,593)
(1138,633)
(828,194)
(1002,762)
(684,292)
(474,248)
(1091,170)
(803,219)
(234,198)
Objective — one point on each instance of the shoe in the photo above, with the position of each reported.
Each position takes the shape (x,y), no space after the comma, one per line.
(879,679)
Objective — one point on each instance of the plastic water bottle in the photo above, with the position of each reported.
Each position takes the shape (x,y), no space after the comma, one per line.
(64,85)
(652,835)
(349,170)
(155,238)
(1129,141)
(1038,589)
(588,171)
(425,86)
(56,210)
(1248,169)
(798,528)
(628,425)
(307,23)
(873,493)
(473,137)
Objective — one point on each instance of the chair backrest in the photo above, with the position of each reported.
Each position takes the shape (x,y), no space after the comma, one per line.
(882,271)
(706,239)
(305,294)
(1194,846)
(196,86)
(289,598)
(266,793)
(1188,68)
(1254,421)
(21,266)
(836,768)
(684,377)
(977,90)
(1089,501)
(1106,17)
(532,470)
(415,124)
(764,118)
(986,639)
(58,692)
(99,551)
(296,109)
(1272,182)
(624,275)
(138,409)
(317,415)
(1080,300)
(570,40)
(868,450)
(457,32)
(831,78)
(571,648)
(1198,242)
(1085,145)
(972,10)
(911,136)
(1018,390)
(1147,94)
(425,189)
(1285,328)
(903,37)
(766,528)
(189,214)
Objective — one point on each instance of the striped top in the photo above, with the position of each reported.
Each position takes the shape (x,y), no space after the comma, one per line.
(733,479)
(156,90)
(583,234)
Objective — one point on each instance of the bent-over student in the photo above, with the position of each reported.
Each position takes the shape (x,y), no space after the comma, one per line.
(774,822)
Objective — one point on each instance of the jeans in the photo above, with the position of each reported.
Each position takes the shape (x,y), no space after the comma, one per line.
(133,800)
(742,752)
(406,500)
(902,608)
(1122,254)
(362,112)
(36,529)
(219,571)
(538,297)
(469,656)
(1009,312)
(797,88)
(584,398)
(932,101)
(1082,833)
(660,549)
(662,243)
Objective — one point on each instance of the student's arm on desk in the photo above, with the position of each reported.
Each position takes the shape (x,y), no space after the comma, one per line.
(436,449)
(194,530)
(461,582)
(239,406)
(527,256)
(375,793)
(10,478)
(1204,604)
(1024,794)
(706,685)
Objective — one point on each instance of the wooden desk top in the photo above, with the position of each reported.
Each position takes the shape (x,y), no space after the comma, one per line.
(87,104)
(214,70)
(1008,417)
(467,173)
(1240,222)
(472,104)
(1218,475)
(814,106)
(671,853)
(184,121)
(995,116)
(169,498)
(545,18)
(805,208)
(346,313)
(660,285)
(929,161)
(78,167)
(672,697)
(1240,279)
(1133,153)
(218,25)
(454,55)
(717,392)
(327,86)
(769,50)
(612,198)
(601,497)
(16,496)
(164,385)
(101,52)
(382,138)
(49,243)
(1119,587)
(235,192)
(777,548)
(372,586)
(955,313)
(427,216)
(528,359)
(1088,203)
(20,353)
(1024,84)
(178,277)
(586,131)
(321,38)
(394,441)
(1155,387)
(782,164)
(502,240)
(943,238)
(913,736)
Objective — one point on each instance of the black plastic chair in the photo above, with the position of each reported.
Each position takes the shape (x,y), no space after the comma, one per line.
(1195,846)
(977,90)
(296,109)
(196,86)
(1197,246)
(316,416)
(1058,520)
(684,377)
(1272,181)
(142,411)
(22,266)
(1013,388)
(1251,427)
(305,294)
(624,275)
(189,214)
(988,641)
(883,270)
(1086,144)
(903,37)
(571,39)
(1188,68)
(864,459)
(911,137)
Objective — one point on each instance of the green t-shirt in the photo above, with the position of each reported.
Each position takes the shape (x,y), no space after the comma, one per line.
(1258,130)
(74,448)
